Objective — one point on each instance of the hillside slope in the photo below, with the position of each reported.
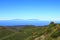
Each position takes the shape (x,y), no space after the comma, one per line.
(29,32)
(52,32)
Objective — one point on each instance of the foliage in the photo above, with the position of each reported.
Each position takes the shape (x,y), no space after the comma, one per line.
(30,32)
(56,34)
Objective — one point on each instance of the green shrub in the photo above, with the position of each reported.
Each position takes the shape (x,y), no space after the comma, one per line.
(56,34)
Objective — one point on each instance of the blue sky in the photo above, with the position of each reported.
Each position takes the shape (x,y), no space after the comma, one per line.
(30,9)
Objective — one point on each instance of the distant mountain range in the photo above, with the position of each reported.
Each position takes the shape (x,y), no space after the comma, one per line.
(23,22)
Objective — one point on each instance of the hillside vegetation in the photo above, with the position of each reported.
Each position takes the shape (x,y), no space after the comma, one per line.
(30,32)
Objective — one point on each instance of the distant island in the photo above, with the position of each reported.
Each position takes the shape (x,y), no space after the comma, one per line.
(35,22)
(14,22)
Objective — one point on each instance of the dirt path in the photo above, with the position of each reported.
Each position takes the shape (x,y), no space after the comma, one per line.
(40,38)
(37,38)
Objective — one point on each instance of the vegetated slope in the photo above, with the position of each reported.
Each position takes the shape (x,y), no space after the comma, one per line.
(4,32)
(29,32)
(19,33)
(52,32)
